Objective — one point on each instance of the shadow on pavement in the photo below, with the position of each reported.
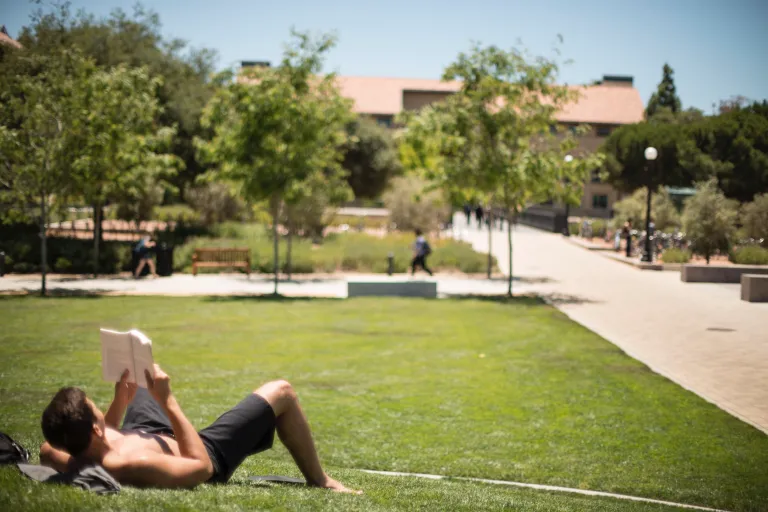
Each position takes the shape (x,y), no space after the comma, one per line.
(521,279)
(527,299)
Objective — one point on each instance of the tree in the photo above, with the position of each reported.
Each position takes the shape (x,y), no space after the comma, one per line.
(665,96)
(136,41)
(275,127)
(370,158)
(39,114)
(709,220)
(754,217)
(731,147)
(116,142)
(492,137)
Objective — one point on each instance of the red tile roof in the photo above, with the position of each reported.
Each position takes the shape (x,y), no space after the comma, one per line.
(606,103)
(6,39)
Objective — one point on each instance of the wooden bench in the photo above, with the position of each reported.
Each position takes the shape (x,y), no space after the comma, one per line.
(222,257)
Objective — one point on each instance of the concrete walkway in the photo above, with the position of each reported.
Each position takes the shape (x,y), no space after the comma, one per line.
(238,284)
(700,335)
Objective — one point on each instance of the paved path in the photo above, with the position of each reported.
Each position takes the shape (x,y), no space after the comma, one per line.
(700,335)
(237,284)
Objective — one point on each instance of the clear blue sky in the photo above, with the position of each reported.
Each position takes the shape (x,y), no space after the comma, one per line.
(717,49)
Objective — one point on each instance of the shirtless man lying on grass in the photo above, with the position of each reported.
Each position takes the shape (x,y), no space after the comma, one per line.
(158,446)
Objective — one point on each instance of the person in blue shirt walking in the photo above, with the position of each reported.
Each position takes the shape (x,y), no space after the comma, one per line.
(421,250)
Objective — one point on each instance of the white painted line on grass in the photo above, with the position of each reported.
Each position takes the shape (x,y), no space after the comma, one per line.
(540,487)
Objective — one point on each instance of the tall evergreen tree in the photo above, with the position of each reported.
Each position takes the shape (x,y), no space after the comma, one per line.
(665,98)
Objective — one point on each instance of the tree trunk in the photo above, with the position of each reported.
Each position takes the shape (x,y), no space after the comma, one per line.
(490,235)
(275,218)
(43,244)
(288,249)
(96,237)
(509,243)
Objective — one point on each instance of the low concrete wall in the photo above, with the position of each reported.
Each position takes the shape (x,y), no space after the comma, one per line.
(754,287)
(543,218)
(426,289)
(719,274)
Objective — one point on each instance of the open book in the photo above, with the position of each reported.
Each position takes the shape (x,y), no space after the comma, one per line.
(130,350)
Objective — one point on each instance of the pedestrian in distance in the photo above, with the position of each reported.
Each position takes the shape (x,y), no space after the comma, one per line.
(421,250)
(468,213)
(479,216)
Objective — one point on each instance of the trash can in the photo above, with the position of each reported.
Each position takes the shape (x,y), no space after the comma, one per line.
(164,260)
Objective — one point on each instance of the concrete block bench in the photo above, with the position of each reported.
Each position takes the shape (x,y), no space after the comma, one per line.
(754,287)
(426,289)
(719,273)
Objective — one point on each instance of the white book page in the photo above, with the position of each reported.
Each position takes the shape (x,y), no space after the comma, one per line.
(116,355)
(142,357)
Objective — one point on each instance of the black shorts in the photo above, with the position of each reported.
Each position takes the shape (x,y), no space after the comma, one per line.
(246,429)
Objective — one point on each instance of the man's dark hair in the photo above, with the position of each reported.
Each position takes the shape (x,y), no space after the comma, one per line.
(68,421)
(418,232)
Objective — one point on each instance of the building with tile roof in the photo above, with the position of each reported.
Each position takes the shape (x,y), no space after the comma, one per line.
(6,39)
(605,105)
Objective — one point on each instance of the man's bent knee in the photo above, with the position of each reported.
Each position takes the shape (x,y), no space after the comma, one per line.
(278,393)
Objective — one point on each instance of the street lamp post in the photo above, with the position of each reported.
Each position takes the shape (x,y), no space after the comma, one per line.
(567,229)
(650,156)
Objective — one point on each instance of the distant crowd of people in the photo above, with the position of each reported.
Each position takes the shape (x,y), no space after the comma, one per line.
(484,215)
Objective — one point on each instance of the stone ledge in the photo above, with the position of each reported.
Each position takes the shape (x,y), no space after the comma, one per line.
(427,289)
(719,273)
(754,287)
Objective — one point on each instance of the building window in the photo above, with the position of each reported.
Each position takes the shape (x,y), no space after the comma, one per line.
(384,121)
(553,129)
(594,176)
(603,131)
(600,201)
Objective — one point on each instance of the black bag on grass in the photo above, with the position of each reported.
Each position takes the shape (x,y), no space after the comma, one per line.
(11,452)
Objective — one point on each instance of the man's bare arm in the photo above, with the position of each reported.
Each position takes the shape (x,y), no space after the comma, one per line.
(158,470)
(57,459)
(190,444)
(124,393)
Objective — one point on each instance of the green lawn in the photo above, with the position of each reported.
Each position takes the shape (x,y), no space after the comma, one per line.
(395,385)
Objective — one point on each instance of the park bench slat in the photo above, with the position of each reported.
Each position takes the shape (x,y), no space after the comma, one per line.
(221,257)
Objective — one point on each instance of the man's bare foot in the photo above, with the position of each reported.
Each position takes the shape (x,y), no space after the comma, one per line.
(335,486)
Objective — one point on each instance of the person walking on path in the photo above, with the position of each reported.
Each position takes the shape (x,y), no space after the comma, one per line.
(479,216)
(143,249)
(468,213)
(626,232)
(421,250)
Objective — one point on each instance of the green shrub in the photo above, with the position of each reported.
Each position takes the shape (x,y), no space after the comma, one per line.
(749,255)
(410,207)
(709,219)
(674,255)
(754,216)
(24,268)
(598,228)
(573,228)
(62,265)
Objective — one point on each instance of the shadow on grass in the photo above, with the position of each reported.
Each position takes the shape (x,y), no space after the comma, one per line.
(56,293)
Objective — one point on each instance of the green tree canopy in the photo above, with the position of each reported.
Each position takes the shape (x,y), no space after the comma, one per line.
(276,127)
(370,158)
(135,41)
(665,97)
(625,165)
(40,115)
